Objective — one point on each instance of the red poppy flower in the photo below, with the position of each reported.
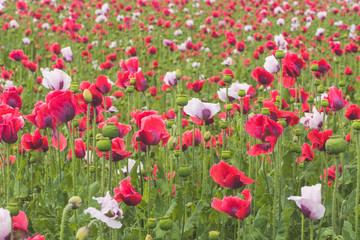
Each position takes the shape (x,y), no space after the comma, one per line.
(9,127)
(41,116)
(63,105)
(348,71)
(196,86)
(152,50)
(262,76)
(292,66)
(335,98)
(352,112)
(318,139)
(307,154)
(58,140)
(188,138)
(97,97)
(34,142)
(20,224)
(80,149)
(11,98)
(234,206)
(153,131)
(55,48)
(16,55)
(139,115)
(228,176)
(103,84)
(324,67)
(127,194)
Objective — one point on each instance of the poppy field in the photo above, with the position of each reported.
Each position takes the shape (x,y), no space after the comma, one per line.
(179,119)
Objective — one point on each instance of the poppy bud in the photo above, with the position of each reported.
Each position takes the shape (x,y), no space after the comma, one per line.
(260,100)
(335,145)
(207,136)
(225,155)
(336,60)
(178,74)
(242,93)
(103,145)
(283,123)
(295,139)
(40,89)
(165,223)
(129,89)
(356,125)
(74,87)
(181,100)
(184,171)
(110,130)
(265,111)
(214,235)
(83,233)
(13,209)
(151,223)
(279,54)
(143,172)
(132,81)
(223,124)
(169,123)
(75,202)
(172,143)
(321,89)
(148,237)
(87,96)
(324,103)
(342,83)
(317,82)
(310,99)
(315,67)
(227,78)
(75,124)
(229,107)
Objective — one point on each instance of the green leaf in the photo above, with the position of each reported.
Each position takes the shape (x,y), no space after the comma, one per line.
(284,225)
(348,232)
(194,218)
(262,217)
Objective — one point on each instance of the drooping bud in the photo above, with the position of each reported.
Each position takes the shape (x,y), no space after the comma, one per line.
(83,233)
(207,136)
(75,201)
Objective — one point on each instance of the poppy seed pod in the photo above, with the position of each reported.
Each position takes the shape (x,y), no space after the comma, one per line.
(321,89)
(13,209)
(229,107)
(110,130)
(75,201)
(92,169)
(283,123)
(83,233)
(297,132)
(356,125)
(324,103)
(165,223)
(315,67)
(223,124)
(176,153)
(310,99)
(132,81)
(181,100)
(87,96)
(184,171)
(335,145)
(265,111)
(317,82)
(103,144)
(260,100)
(151,223)
(214,235)
(278,99)
(279,54)
(129,89)
(227,78)
(295,149)
(225,154)
(342,83)
(242,93)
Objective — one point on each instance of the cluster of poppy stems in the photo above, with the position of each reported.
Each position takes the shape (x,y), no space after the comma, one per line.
(158,151)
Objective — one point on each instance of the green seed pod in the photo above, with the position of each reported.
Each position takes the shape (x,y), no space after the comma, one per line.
(297,132)
(260,100)
(151,223)
(227,78)
(295,149)
(335,145)
(169,123)
(103,144)
(279,54)
(132,81)
(356,125)
(176,153)
(75,201)
(165,223)
(310,99)
(74,87)
(317,82)
(229,107)
(223,124)
(283,123)
(184,171)
(41,89)
(278,99)
(342,83)
(87,96)
(75,123)
(214,235)
(83,233)
(336,60)
(129,89)
(207,136)
(168,90)
(265,111)
(92,169)
(225,155)
(178,74)
(324,103)
(13,209)
(315,67)
(242,93)
(110,130)
(181,100)
(321,89)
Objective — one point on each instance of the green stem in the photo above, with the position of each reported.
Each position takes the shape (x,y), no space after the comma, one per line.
(103,174)
(357,188)
(63,220)
(110,170)
(73,158)
(8,172)
(88,153)
(302,227)
(334,207)
(275,196)
(149,176)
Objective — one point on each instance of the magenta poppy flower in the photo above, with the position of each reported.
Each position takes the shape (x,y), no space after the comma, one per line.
(318,139)
(127,194)
(352,112)
(103,84)
(188,138)
(41,116)
(33,142)
(292,65)
(228,176)
(262,76)
(63,105)
(153,131)
(11,97)
(80,149)
(16,55)
(9,127)
(335,98)
(306,154)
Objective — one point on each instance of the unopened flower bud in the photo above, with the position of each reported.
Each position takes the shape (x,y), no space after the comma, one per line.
(83,233)
(110,130)
(40,89)
(169,123)
(13,209)
(356,125)
(335,145)
(87,96)
(342,83)
(168,90)
(315,67)
(103,145)
(283,123)
(265,111)
(178,74)
(279,54)
(242,93)
(149,237)
(75,202)
(165,223)
(295,139)
(207,136)
(172,143)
